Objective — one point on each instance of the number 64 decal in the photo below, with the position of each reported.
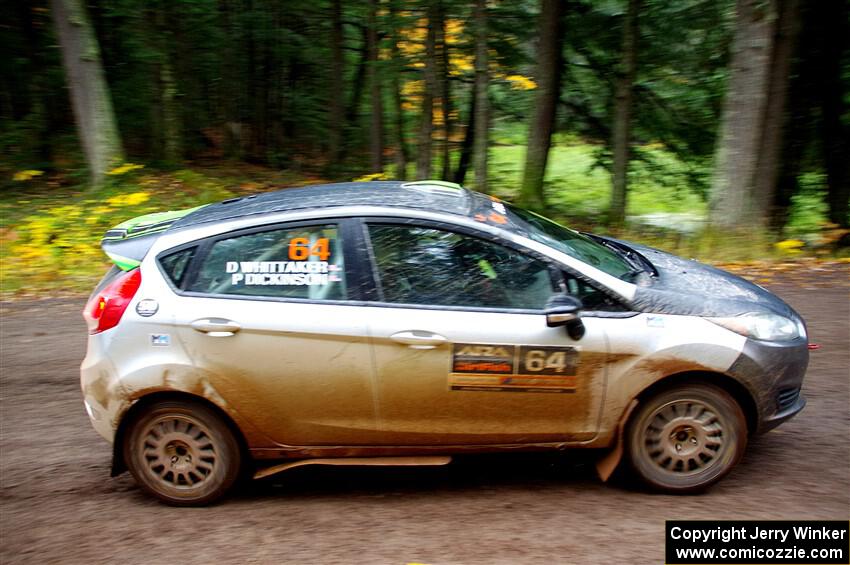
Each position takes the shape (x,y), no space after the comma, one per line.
(538,360)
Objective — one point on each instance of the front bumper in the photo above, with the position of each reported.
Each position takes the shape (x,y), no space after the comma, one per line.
(773,372)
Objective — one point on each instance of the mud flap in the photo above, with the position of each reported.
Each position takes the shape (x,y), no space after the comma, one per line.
(606,464)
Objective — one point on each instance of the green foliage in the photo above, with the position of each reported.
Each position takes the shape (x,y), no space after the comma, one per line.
(808,210)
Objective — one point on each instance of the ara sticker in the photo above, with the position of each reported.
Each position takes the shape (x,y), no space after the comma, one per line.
(499,207)
(160,340)
(508,368)
(147,307)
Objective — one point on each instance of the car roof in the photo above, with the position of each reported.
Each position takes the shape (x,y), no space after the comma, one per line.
(423,195)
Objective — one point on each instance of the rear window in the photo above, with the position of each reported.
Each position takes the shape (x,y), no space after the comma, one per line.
(299,262)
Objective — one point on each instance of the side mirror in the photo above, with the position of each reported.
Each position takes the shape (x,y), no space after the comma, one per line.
(564,310)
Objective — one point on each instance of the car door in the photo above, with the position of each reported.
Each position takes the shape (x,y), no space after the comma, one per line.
(462,350)
(265,313)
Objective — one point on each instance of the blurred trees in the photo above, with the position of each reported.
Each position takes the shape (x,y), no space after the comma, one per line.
(341,87)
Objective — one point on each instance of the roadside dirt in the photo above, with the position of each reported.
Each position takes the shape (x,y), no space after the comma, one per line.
(58,503)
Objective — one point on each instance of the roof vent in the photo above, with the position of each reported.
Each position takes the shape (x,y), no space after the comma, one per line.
(435,187)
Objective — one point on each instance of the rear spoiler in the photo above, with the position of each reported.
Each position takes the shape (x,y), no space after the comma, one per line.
(127,243)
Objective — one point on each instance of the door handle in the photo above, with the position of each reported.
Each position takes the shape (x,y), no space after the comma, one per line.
(418,339)
(216,327)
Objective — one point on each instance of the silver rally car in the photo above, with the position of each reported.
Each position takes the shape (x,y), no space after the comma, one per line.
(390,323)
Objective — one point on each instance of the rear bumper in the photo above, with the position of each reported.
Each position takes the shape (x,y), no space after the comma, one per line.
(773,372)
(101,389)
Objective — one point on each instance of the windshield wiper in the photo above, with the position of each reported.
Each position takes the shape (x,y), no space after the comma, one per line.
(638,262)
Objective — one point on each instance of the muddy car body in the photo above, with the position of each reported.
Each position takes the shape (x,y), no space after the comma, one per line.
(390,323)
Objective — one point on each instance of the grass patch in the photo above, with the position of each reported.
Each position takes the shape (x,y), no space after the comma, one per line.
(578,187)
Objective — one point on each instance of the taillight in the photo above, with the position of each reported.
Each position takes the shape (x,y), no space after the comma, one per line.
(105,309)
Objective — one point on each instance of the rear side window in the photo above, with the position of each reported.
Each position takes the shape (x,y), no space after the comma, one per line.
(302,262)
(174,265)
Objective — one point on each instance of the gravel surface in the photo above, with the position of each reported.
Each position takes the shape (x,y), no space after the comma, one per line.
(58,503)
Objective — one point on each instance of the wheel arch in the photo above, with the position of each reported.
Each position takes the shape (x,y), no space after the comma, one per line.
(740,393)
(119,465)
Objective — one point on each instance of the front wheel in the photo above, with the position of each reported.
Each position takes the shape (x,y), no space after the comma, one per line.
(686,438)
(182,453)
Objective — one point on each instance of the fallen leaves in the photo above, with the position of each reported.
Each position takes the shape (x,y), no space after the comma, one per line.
(808,272)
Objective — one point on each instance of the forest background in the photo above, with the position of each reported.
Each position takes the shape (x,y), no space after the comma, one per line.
(717,129)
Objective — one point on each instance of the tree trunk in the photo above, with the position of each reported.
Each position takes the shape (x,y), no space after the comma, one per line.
(468,139)
(353,110)
(621,138)
(445,91)
(376,132)
(739,140)
(796,139)
(426,127)
(336,115)
(398,66)
(834,133)
(768,165)
(90,96)
(481,114)
(170,134)
(549,66)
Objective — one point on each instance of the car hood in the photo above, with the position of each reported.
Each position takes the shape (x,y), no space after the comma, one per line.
(687,287)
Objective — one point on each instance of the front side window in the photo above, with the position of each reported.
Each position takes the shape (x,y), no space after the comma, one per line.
(302,262)
(435,267)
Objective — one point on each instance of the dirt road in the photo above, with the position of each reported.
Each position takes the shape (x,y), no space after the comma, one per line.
(58,503)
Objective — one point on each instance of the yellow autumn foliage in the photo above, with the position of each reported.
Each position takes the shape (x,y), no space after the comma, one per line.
(26,175)
(132,199)
(520,82)
(124,169)
(790,246)
(371,177)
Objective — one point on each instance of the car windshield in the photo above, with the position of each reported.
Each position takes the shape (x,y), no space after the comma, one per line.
(571,242)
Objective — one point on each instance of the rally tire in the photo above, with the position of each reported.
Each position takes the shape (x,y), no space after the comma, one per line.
(686,438)
(182,453)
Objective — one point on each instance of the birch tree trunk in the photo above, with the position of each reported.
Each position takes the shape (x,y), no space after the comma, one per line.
(90,96)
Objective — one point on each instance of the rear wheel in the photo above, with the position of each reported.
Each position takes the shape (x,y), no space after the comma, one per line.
(686,438)
(182,453)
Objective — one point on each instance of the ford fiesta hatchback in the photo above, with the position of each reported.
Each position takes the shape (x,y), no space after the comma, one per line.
(394,323)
